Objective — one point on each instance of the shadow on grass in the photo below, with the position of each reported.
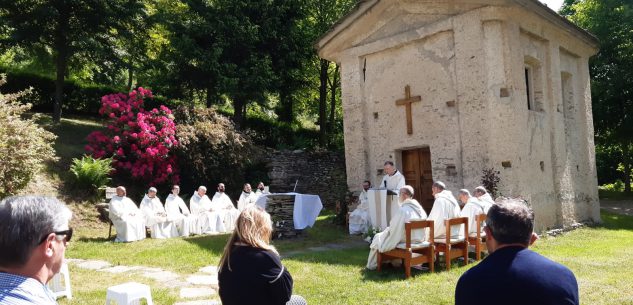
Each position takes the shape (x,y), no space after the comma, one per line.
(212,243)
(96,239)
(613,221)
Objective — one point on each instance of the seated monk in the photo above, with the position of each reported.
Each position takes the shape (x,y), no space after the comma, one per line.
(222,204)
(156,216)
(445,207)
(359,221)
(247,197)
(208,220)
(472,209)
(178,212)
(394,234)
(126,217)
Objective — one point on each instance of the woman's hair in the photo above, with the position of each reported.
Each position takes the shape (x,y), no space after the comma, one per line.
(253,228)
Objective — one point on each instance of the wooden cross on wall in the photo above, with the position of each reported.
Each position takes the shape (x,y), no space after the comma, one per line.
(407,101)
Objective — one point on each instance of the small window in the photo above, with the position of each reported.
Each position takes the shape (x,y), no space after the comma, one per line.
(529,87)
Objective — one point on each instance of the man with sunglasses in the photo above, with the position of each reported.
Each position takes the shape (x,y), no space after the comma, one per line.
(34,233)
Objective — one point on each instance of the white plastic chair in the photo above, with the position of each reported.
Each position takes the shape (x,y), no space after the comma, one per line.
(129,293)
(58,288)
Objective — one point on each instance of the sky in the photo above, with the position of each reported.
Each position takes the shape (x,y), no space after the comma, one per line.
(553,4)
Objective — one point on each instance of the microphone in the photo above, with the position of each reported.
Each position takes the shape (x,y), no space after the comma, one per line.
(385,183)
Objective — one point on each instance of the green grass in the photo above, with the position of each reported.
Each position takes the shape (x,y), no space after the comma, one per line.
(599,256)
(614,195)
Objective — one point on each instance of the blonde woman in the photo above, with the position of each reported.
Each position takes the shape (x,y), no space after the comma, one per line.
(250,270)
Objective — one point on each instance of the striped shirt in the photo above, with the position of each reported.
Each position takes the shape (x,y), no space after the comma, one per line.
(19,290)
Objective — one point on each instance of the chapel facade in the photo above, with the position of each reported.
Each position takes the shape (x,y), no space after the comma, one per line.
(447,88)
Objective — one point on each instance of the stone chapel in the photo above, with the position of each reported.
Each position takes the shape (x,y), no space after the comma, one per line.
(447,88)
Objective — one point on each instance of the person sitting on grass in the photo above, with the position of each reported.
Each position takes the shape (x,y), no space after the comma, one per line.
(250,269)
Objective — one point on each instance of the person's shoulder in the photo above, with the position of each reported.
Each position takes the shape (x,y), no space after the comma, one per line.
(545,264)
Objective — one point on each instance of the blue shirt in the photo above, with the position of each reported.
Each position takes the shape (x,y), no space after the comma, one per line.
(517,276)
(19,290)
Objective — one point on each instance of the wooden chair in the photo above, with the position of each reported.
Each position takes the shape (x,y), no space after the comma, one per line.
(412,254)
(479,239)
(453,247)
(104,209)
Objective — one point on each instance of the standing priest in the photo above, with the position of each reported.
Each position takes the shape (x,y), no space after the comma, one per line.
(393,179)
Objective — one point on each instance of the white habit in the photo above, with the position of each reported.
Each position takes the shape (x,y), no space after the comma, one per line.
(444,207)
(208,220)
(359,220)
(393,183)
(156,218)
(127,219)
(486,201)
(222,203)
(246,199)
(178,212)
(394,234)
(472,209)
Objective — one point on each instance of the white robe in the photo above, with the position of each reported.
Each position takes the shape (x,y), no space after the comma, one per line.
(359,220)
(209,221)
(444,207)
(472,209)
(223,204)
(156,218)
(127,219)
(394,234)
(178,212)
(487,201)
(246,199)
(393,183)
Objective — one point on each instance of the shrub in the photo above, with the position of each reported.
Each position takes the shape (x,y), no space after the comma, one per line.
(211,149)
(140,142)
(490,180)
(24,146)
(90,173)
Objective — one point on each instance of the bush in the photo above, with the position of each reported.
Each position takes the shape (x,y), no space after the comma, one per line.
(24,146)
(211,149)
(140,141)
(490,180)
(90,173)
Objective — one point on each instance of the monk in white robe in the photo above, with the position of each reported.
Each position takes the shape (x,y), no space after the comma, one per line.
(246,198)
(472,209)
(394,235)
(445,207)
(178,212)
(156,216)
(261,189)
(221,203)
(208,220)
(359,220)
(393,179)
(484,198)
(126,217)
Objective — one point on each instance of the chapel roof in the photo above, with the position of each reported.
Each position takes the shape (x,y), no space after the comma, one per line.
(535,6)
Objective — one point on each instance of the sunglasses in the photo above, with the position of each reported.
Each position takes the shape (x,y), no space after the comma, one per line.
(68,233)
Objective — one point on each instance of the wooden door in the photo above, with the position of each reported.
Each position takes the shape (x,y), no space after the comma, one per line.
(416,168)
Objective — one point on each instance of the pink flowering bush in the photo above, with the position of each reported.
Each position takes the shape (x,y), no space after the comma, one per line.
(141,142)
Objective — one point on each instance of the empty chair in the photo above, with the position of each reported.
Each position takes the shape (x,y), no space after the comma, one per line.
(453,246)
(129,293)
(58,288)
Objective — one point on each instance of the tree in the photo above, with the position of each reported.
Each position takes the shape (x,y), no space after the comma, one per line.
(70,28)
(611,73)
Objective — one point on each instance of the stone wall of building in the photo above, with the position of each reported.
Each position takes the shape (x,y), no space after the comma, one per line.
(318,173)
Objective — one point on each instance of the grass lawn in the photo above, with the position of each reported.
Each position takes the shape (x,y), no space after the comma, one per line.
(599,256)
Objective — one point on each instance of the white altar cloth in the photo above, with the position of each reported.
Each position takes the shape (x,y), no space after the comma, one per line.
(305,211)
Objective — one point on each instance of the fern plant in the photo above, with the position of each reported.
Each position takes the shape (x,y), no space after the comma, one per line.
(90,173)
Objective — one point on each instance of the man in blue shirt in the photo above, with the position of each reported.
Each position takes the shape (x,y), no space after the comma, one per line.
(34,233)
(512,274)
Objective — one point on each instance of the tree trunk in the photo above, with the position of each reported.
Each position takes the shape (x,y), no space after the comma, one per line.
(238,115)
(324,64)
(284,111)
(61,62)
(333,88)
(627,168)
(130,76)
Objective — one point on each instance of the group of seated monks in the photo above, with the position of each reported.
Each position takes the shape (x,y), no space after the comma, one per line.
(174,219)
(445,207)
